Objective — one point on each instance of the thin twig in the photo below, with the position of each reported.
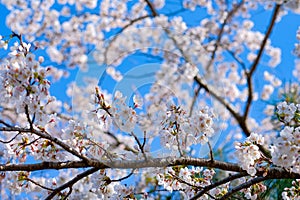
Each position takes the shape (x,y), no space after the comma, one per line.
(183,181)
(123,178)
(69,193)
(30,143)
(178,145)
(41,186)
(237,59)
(4,123)
(210,152)
(110,157)
(28,117)
(115,37)
(144,140)
(9,141)
(139,144)
(118,142)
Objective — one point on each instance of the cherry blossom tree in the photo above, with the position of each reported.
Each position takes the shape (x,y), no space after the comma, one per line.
(193,135)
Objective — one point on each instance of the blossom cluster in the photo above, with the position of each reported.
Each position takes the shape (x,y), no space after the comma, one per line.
(248,153)
(287,112)
(292,192)
(253,191)
(284,148)
(124,117)
(3,43)
(285,151)
(189,179)
(179,130)
(26,87)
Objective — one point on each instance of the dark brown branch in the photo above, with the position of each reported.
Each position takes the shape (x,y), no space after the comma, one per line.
(123,178)
(250,74)
(153,10)
(221,100)
(28,117)
(43,166)
(243,186)
(71,182)
(69,193)
(139,144)
(9,141)
(256,62)
(221,182)
(41,186)
(237,59)
(211,155)
(274,172)
(183,181)
(4,123)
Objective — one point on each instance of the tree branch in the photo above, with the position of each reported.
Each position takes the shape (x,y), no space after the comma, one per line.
(221,182)
(71,182)
(4,123)
(256,62)
(242,186)
(153,10)
(9,141)
(123,178)
(43,166)
(221,100)
(274,172)
(139,144)
(41,186)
